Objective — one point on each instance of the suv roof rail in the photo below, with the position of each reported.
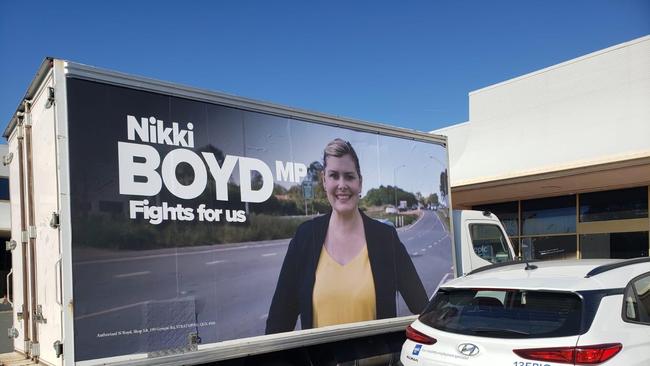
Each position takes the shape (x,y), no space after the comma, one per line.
(504,264)
(608,267)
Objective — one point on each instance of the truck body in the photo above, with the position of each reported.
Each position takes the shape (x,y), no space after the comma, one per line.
(150,221)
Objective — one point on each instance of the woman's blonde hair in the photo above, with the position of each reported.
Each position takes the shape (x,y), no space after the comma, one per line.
(338,148)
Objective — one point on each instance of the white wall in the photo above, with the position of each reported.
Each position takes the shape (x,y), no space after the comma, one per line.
(590,110)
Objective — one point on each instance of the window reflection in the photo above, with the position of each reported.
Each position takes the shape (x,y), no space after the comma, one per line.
(489,243)
(549,247)
(614,245)
(637,301)
(631,203)
(642,287)
(555,215)
(507,212)
(515,246)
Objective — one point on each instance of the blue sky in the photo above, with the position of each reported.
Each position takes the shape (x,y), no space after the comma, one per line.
(408,63)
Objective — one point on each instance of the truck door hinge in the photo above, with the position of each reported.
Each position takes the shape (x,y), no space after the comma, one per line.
(35,349)
(193,341)
(27,116)
(193,338)
(58,348)
(20,314)
(31,230)
(50,97)
(21,127)
(10,245)
(6,160)
(24,236)
(54,221)
(38,315)
(12,333)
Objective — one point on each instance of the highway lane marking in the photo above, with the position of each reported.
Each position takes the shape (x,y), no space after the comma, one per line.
(264,316)
(420,218)
(215,262)
(431,246)
(133,274)
(269,254)
(423,250)
(107,311)
(282,242)
(120,308)
(164,255)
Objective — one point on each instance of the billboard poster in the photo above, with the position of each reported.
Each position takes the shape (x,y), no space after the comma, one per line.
(195,223)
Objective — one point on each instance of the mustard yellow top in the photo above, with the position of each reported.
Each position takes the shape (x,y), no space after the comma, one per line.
(343,293)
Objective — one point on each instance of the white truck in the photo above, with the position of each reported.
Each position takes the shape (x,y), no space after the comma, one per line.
(481,239)
(150,222)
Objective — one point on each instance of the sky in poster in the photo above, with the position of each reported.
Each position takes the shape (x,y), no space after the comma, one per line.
(413,166)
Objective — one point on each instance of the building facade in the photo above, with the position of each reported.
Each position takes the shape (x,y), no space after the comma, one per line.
(562,156)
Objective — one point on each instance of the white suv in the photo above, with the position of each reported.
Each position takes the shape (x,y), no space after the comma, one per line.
(551,313)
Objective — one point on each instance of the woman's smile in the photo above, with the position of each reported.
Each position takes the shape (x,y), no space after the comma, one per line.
(342,184)
(343,196)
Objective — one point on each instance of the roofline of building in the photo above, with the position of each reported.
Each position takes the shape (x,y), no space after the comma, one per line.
(564,64)
(450,127)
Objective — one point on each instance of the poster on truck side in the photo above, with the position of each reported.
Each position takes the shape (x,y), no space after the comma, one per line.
(195,223)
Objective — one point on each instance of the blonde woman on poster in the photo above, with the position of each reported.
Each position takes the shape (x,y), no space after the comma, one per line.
(343,267)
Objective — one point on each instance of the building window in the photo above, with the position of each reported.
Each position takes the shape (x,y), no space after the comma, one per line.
(614,245)
(607,224)
(4,188)
(621,204)
(555,215)
(549,247)
(507,212)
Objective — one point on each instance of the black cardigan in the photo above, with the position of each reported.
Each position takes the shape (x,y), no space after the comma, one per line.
(392,271)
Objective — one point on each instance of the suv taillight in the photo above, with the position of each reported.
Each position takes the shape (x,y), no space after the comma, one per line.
(418,337)
(583,355)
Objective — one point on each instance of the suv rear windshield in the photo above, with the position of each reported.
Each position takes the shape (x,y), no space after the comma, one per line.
(505,313)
